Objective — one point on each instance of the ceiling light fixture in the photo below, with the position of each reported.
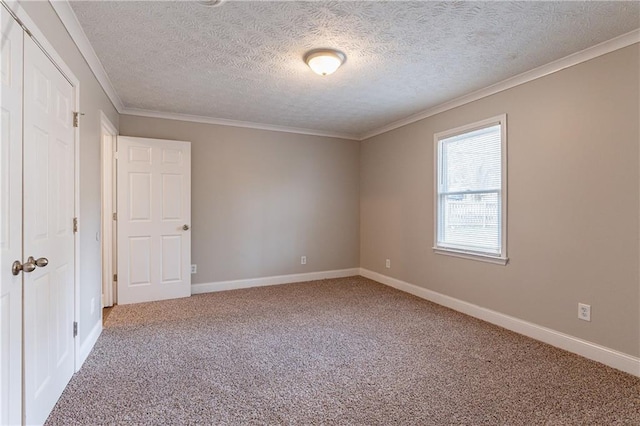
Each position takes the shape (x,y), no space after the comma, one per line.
(210,3)
(324,61)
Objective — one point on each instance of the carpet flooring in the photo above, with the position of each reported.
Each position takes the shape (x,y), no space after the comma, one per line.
(340,351)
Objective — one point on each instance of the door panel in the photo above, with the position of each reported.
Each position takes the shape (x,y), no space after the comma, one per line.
(139,261)
(154,203)
(171,258)
(48,232)
(172,186)
(11,50)
(39,178)
(140,197)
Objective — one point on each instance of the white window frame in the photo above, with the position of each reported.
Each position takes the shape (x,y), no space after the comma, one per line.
(500,258)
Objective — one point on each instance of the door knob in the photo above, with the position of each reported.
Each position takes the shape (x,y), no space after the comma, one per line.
(16,267)
(29,266)
(40,262)
(185,227)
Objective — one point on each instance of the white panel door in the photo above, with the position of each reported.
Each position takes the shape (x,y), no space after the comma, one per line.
(48,233)
(154,219)
(10,220)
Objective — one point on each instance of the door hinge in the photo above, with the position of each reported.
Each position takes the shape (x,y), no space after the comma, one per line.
(115,278)
(75,328)
(115,216)
(75,225)
(76,118)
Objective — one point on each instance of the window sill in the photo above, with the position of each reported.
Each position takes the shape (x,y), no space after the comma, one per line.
(472,256)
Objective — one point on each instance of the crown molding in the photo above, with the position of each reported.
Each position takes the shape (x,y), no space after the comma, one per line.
(70,21)
(558,65)
(233,123)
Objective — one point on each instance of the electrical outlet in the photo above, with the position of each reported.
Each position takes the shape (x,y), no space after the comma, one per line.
(303,260)
(584,312)
(194,269)
(93,305)
(387,263)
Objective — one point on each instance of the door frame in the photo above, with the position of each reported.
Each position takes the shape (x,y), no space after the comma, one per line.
(108,224)
(39,38)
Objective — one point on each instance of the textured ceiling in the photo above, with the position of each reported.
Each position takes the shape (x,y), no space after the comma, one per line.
(243,60)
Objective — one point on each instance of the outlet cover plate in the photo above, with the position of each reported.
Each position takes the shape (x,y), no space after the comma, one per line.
(584,312)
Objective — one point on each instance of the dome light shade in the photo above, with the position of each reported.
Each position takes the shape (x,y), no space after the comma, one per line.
(324,61)
(210,3)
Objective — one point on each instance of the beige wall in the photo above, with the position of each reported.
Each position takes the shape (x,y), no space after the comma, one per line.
(573,194)
(262,199)
(92,101)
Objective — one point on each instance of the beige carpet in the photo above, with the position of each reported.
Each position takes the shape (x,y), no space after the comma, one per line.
(343,351)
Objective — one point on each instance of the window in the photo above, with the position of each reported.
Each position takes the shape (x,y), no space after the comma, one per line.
(471,191)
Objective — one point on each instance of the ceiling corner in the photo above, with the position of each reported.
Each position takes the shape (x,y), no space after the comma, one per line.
(70,21)
(576,58)
(236,123)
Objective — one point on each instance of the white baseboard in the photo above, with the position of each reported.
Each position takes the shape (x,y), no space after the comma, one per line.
(89,342)
(274,280)
(593,351)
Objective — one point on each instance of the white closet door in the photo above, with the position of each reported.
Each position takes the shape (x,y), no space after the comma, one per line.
(11,38)
(48,233)
(154,219)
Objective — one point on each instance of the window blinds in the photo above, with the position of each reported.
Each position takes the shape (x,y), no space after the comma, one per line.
(469,191)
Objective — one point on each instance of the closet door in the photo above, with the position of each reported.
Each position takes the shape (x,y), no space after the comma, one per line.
(48,233)
(11,38)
